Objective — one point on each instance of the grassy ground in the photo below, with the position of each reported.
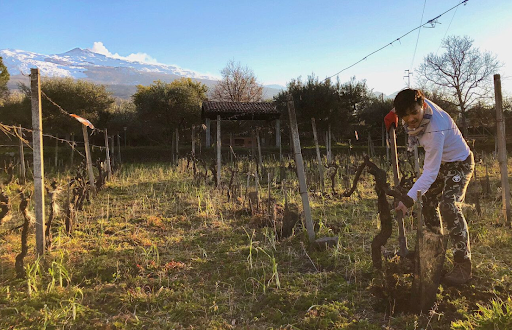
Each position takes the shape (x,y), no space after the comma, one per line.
(155,249)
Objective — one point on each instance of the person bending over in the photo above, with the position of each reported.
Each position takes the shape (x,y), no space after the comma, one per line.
(447,170)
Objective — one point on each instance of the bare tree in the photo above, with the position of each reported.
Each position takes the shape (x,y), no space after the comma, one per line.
(462,72)
(238,84)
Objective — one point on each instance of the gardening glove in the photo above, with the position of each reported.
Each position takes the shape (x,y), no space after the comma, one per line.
(391,119)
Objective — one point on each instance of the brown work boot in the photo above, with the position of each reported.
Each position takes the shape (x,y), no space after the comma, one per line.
(460,274)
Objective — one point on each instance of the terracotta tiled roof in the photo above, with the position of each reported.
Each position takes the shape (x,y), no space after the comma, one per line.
(240,110)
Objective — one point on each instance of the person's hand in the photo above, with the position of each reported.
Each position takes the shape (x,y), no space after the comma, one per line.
(391,119)
(401,208)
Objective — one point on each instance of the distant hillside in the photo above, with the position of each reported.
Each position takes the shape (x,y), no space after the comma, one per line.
(120,76)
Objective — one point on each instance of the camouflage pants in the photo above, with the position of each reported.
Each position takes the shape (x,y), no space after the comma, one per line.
(446,195)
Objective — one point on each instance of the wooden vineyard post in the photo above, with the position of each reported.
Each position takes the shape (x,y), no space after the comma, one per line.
(278,139)
(269,194)
(207,136)
(231,144)
(253,145)
(387,148)
(318,156)
(260,160)
(57,151)
(173,147)
(107,157)
(112,152)
(329,142)
(88,159)
(22,158)
(37,141)
(219,154)
(299,163)
(402,240)
(502,149)
(118,149)
(193,141)
(72,150)
(416,161)
(177,132)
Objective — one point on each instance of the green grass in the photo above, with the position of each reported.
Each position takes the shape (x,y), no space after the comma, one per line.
(155,249)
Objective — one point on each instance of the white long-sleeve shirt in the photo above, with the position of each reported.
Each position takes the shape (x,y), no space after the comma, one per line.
(443,143)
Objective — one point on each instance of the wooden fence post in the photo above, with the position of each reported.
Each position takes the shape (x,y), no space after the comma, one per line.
(260,160)
(193,141)
(502,149)
(387,148)
(107,157)
(318,156)
(177,132)
(173,148)
(118,149)
(37,141)
(72,150)
(88,159)
(299,163)
(22,158)
(278,139)
(231,144)
(57,151)
(329,148)
(402,240)
(416,161)
(208,137)
(112,152)
(219,154)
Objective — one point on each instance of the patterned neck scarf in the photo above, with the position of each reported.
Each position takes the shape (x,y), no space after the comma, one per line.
(414,133)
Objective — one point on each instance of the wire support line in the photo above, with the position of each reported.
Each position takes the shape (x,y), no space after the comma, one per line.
(418,38)
(430,22)
(64,111)
(12,130)
(446,32)
(55,104)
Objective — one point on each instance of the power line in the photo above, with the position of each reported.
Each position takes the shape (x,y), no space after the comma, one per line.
(418,38)
(446,32)
(432,22)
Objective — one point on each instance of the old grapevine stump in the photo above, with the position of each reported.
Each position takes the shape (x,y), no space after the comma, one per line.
(429,260)
(430,255)
(430,247)
(385,217)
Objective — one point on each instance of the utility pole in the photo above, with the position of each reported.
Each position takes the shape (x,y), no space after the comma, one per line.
(408,75)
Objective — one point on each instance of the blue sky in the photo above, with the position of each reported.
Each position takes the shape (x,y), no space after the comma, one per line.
(278,40)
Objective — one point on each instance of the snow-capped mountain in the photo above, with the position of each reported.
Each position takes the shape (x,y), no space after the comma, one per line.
(78,63)
(120,75)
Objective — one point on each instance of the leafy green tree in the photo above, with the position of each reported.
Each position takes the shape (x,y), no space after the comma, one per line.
(80,97)
(163,107)
(355,96)
(373,115)
(16,110)
(337,104)
(312,99)
(4,78)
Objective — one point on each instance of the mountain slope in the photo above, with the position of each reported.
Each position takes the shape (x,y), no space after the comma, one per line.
(120,75)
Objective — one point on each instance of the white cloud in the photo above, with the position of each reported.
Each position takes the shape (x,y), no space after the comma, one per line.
(99,48)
